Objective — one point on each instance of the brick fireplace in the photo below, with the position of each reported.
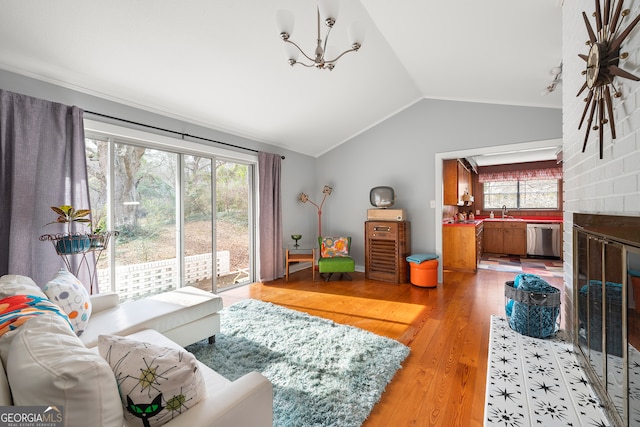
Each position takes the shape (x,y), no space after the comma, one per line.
(606,277)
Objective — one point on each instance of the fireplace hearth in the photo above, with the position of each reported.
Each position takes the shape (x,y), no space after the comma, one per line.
(606,278)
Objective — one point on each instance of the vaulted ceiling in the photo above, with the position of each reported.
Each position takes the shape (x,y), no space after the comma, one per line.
(222,64)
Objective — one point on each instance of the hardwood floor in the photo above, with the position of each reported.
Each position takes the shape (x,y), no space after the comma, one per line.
(442,382)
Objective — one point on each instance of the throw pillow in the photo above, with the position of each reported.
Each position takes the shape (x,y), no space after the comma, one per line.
(12,284)
(73,298)
(17,310)
(334,247)
(47,364)
(156,383)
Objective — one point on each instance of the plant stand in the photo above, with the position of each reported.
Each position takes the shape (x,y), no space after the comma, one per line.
(69,245)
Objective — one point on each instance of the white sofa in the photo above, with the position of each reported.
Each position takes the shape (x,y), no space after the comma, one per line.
(46,364)
(185,315)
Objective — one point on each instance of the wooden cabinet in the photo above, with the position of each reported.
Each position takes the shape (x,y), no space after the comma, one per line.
(479,241)
(456,181)
(387,246)
(505,237)
(493,240)
(515,238)
(461,247)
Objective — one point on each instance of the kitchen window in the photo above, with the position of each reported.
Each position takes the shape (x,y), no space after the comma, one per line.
(521,194)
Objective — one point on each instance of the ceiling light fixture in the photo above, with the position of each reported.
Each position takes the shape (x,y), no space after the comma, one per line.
(556,72)
(327,12)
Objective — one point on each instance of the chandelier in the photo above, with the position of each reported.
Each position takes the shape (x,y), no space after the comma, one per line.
(327,13)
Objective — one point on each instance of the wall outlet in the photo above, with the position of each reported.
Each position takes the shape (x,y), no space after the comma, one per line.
(477,211)
(433,204)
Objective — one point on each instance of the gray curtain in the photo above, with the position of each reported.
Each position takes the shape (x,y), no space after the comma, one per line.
(270,217)
(42,164)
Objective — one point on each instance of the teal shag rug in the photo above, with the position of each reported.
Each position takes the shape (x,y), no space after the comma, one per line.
(323,373)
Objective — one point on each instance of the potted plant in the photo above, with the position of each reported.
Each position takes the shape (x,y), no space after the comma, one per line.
(71,242)
(98,234)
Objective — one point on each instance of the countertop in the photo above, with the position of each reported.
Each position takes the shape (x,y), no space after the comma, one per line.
(471,223)
(528,220)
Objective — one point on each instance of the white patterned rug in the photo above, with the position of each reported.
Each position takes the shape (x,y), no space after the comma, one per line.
(536,382)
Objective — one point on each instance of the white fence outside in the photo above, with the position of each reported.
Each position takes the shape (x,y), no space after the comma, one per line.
(139,280)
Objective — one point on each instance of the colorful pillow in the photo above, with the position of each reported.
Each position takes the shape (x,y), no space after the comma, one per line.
(156,383)
(73,298)
(16,310)
(334,247)
(47,364)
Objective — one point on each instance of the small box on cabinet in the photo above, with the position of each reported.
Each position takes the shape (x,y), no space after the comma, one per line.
(386,215)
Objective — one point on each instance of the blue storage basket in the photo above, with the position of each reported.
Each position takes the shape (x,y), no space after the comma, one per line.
(533,313)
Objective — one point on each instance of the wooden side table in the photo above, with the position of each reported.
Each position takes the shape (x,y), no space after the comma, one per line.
(300,255)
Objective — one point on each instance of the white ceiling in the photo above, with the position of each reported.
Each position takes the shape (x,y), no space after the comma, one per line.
(221,64)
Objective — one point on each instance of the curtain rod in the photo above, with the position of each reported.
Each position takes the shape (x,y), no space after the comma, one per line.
(183,135)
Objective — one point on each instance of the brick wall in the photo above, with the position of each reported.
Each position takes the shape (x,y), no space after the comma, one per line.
(592,185)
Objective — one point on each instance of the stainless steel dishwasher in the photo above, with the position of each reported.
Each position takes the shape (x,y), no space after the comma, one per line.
(543,239)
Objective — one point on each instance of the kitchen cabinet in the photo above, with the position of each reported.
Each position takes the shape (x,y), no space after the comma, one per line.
(505,237)
(387,246)
(456,181)
(515,238)
(461,246)
(493,237)
(479,241)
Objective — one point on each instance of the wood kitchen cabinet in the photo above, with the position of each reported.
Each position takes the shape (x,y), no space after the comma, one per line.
(387,246)
(461,247)
(515,238)
(493,237)
(456,181)
(505,237)
(479,241)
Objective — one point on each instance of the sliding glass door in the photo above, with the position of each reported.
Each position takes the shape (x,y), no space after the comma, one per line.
(183,219)
(199,264)
(233,214)
(144,206)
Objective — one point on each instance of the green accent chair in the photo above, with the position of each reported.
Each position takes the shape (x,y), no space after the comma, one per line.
(342,264)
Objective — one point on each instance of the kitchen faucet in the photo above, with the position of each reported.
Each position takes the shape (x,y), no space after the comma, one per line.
(504,211)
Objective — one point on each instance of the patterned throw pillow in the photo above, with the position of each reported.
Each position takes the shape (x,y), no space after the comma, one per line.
(334,247)
(72,297)
(156,383)
(18,309)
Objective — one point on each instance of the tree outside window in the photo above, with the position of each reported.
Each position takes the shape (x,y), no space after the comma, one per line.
(521,194)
